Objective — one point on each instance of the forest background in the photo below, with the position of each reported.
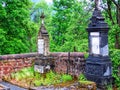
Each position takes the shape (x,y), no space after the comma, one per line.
(66,22)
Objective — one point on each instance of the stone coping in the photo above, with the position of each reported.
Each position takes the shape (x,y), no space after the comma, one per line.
(17,56)
(35,54)
(65,54)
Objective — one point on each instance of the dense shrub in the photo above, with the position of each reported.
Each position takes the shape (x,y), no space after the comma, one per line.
(115,58)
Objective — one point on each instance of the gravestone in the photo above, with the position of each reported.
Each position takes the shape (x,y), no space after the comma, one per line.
(43,48)
(43,39)
(98,64)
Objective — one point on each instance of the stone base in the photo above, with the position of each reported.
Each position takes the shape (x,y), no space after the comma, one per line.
(99,71)
(100,81)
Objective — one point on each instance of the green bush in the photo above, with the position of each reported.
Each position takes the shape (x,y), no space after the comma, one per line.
(66,77)
(115,58)
(37,75)
(50,75)
(37,82)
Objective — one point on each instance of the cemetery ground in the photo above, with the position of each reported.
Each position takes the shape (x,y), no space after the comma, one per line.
(29,79)
(69,70)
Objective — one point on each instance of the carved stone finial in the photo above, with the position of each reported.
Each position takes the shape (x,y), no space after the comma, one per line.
(96,4)
(42,17)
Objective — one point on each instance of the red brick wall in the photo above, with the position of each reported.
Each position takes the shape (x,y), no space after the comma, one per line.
(12,63)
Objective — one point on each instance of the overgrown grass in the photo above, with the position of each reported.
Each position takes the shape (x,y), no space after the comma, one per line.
(36,79)
(83,80)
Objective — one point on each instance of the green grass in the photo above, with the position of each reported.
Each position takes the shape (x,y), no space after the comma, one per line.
(66,77)
(86,82)
(37,79)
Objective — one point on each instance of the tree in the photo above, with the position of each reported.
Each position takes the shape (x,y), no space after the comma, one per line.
(15,24)
(112,13)
(70,19)
(117,35)
(40,7)
(36,12)
(63,11)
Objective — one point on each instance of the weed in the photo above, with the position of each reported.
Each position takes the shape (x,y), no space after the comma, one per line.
(66,77)
(82,77)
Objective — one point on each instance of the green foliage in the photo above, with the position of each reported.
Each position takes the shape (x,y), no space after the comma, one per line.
(83,80)
(86,82)
(52,78)
(82,77)
(16,27)
(2,39)
(36,11)
(111,13)
(38,79)
(115,57)
(37,75)
(23,73)
(40,7)
(86,55)
(109,87)
(114,29)
(50,75)
(66,77)
(37,83)
(68,27)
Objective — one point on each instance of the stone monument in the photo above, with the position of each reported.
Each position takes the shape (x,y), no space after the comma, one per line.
(41,64)
(98,64)
(43,38)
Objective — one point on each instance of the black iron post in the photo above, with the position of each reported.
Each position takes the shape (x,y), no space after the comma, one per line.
(98,64)
(68,63)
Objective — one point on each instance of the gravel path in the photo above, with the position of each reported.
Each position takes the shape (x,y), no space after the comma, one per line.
(12,87)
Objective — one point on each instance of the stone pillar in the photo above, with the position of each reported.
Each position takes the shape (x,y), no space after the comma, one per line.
(43,39)
(98,64)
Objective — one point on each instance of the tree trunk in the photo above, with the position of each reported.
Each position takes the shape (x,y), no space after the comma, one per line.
(117,36)
(118,13)
(109,11)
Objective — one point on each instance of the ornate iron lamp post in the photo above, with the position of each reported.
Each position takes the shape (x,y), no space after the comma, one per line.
(98,64)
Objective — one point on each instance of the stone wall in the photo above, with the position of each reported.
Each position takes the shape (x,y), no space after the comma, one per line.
(12,63)
(62,62)
(72,63)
